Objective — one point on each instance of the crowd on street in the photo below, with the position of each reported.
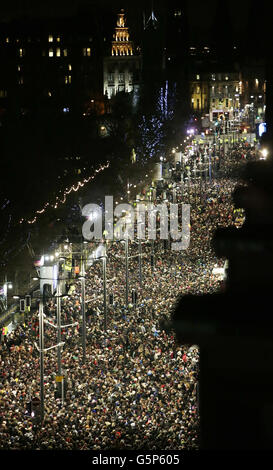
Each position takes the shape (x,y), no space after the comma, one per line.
(136,387)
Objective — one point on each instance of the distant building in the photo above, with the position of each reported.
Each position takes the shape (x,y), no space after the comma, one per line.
(50,65)
(121,70)
(216,94)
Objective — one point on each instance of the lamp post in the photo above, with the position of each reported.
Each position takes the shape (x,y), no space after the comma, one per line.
(59,336)
(104,258)
(140,262)
(200,177)
(104,290)
(7,285)
(126,271)
(195,186)
(189,182)
(41,350)
(153,254)
(83,308)
(210,166)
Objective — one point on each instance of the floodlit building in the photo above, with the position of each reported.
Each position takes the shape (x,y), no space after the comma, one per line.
(122,69)
(216,94)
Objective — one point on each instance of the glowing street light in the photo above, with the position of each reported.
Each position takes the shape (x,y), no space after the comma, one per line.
(264,153)
(7,285)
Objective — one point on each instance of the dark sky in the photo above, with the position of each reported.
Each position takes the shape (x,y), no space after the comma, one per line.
(200,14)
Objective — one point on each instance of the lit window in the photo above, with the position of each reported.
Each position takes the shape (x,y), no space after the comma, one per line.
(50,38)
(58,39)
(58,52)
(86,51)
(21,81)
(65,52)
(256,82)
(67,79)
(213,76)
(19,68)
(226,77)
(21,52)
(50,53)
(197,77)
(7,40)
(121,78)
(70,67)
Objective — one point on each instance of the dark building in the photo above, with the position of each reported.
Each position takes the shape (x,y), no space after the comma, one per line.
(50,66)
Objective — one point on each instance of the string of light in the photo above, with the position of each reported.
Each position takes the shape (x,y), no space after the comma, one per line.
(62,200)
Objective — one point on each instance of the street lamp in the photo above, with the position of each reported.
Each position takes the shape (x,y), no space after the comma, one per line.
(7,285)
(264,154)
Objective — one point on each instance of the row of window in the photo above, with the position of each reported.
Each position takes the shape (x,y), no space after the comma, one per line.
(111,90)
(20,67)
(219,89)
(51,38)
(221,102)
(124,37)
(220,77)
(67,80)
(213,77)
(86,51)
(121,77)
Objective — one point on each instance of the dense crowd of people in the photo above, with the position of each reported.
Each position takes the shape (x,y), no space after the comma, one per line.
(137,387)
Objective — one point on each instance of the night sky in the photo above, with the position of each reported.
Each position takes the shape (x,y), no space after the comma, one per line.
(200,14)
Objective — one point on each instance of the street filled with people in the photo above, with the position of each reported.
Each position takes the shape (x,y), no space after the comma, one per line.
(136,387)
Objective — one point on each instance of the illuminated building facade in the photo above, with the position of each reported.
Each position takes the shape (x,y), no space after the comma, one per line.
(216,94)
(122,69)
(224,95)
(121,44)
(199,93)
